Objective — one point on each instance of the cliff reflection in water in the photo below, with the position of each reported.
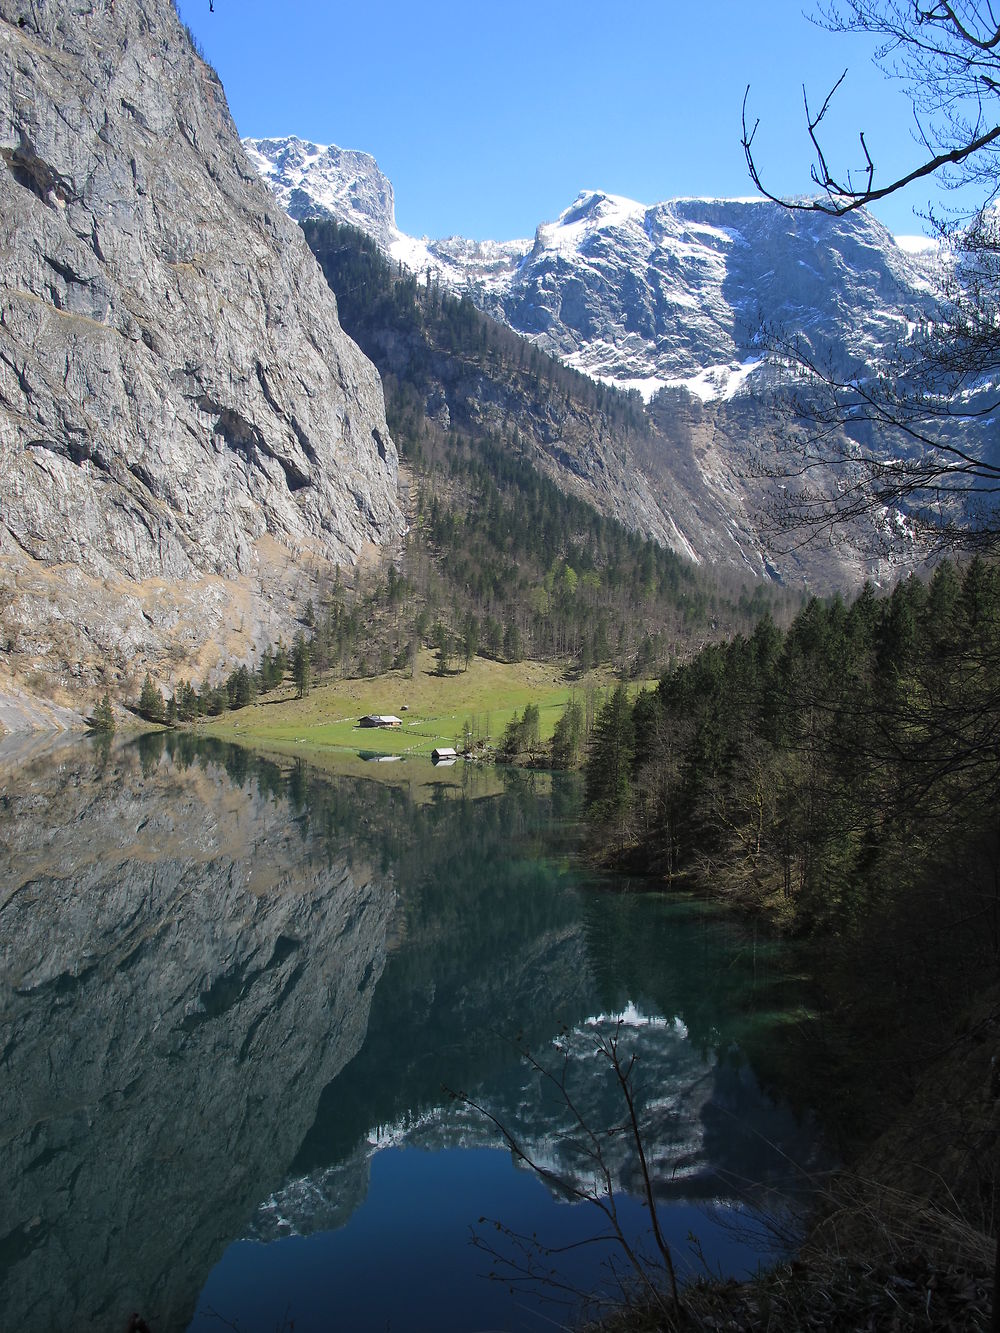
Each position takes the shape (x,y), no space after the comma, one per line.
(501,953)
(184,967)
(225,983)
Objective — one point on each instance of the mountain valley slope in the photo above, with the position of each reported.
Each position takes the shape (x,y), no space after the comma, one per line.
(674,302)
(673,294)
(188,441)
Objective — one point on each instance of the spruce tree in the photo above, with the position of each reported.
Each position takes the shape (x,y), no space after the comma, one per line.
(609,763)
(151,701)
(301,666)
(568,735)
(104,718)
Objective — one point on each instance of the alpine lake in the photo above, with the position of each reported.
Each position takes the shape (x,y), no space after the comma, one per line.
(331,1050)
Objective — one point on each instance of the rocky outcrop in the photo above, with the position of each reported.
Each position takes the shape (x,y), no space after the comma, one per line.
(323,181)
(312,180)
(183,968)
(20,710)
(184,427)
(677,293)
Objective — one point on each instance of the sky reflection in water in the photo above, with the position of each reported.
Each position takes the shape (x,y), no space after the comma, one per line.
(239,991)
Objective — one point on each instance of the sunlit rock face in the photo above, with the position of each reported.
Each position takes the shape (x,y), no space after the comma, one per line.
(672,293)
(318,180)
(312,180)
(676,293)
(182,971)
(182,418)
(677,301)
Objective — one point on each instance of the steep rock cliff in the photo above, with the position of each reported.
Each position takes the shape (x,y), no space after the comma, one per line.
(183,424)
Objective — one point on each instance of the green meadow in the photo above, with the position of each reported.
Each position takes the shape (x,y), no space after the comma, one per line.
(435,709)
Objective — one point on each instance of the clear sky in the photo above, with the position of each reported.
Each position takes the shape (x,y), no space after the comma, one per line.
(490,118)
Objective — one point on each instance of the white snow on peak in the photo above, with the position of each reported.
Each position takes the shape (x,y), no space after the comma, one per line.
(639,297)
(916,245)
(716,382)
(412,253)
(293,160)
(321,180)
(458,263)
(590,211)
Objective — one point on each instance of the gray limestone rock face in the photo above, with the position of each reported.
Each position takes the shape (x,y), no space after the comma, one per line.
(677,293)
(177,399)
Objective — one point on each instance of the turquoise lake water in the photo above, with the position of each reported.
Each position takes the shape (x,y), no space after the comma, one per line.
(290,1049)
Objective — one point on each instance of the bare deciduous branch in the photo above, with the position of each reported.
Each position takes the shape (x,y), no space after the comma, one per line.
(601,1195)
(840,196)
(948,54)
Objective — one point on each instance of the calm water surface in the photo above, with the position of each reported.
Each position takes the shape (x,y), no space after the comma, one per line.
(249,1012)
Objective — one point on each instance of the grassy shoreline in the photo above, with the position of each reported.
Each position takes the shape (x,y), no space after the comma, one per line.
(435,709)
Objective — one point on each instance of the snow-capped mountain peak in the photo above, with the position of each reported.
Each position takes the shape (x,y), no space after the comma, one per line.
(642,296)
(591,211)
(322,180)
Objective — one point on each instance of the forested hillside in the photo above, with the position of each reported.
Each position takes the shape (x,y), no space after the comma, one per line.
(843,777)
(502,560)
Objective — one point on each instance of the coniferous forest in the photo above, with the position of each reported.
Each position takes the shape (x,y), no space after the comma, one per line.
(842,777)
(498,555)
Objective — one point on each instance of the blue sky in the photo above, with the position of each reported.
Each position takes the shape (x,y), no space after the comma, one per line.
(489,119)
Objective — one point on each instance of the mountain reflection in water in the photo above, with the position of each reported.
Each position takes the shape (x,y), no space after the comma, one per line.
(228,983)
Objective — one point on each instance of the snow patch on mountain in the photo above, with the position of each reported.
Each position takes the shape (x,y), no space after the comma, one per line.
(570,232)
(917,245)
(323,181)
(485,267)
(721,381)
(646,296)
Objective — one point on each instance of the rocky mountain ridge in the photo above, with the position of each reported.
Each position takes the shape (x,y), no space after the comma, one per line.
(673,294)
(682,302)
(677,294)
(185,431)
(323,181)
(691,476)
